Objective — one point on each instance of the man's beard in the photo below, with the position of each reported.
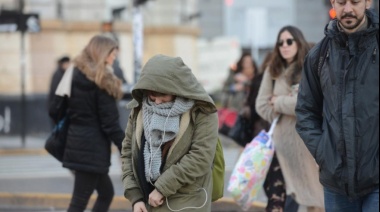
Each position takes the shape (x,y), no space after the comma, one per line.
(351,24)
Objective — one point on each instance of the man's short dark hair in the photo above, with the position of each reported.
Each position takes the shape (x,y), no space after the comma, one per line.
(63,60)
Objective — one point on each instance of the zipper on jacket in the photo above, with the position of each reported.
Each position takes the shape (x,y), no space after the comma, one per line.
(332,75)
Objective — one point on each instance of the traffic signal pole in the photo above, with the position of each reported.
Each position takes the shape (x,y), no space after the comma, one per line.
(22,68)
(138,40)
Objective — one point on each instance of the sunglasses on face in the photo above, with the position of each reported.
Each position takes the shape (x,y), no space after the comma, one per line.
(288,41)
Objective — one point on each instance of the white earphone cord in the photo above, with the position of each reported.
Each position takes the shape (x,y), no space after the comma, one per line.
(150,172)
(185,208)
(153,155)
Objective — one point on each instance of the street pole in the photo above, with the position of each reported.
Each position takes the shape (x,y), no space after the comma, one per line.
(23,98)
(22,67)
(138,40)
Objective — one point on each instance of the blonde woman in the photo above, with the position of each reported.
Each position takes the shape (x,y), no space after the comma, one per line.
(93,125)
(277,97)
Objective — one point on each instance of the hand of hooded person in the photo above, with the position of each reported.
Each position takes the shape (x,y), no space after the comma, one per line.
(156,198)
(139,207)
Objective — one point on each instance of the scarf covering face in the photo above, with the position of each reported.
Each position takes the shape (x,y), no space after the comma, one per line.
(161,124)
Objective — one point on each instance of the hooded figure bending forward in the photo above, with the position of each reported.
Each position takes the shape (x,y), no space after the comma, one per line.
(170,140)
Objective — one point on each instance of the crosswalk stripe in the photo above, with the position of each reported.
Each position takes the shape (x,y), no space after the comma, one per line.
(32,166)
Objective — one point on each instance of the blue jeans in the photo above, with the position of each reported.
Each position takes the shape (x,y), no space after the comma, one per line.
(335,202)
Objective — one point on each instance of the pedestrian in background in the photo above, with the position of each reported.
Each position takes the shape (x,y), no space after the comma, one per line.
(170,140)
(250,122)
(249,109)
(277,97)
(338,108)
(238,82)
(62,64)
(94,124)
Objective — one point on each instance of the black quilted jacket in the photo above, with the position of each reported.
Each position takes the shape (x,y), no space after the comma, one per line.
(94,124)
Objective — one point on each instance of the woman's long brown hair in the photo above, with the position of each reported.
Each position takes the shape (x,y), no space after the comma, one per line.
(278,63)
(92,62)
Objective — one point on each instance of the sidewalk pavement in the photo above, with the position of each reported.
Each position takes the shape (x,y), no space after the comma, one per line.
(32,180)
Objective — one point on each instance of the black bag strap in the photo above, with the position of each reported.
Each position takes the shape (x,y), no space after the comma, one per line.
(323,53)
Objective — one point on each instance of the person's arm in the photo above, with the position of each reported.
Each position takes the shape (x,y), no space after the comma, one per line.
(263,106)
(285,104)
(309,106)
(109,118)
(197,162)
(228,86)
(131,189)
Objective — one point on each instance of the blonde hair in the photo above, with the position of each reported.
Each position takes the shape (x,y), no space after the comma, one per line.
(92,62)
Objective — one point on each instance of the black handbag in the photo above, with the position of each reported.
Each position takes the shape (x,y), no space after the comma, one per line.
(56,142)
(242,131)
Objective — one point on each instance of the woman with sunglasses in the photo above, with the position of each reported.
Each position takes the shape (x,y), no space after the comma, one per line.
(277,97)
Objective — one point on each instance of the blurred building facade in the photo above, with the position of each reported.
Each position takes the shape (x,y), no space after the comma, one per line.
(255,23)
(66,27)
(207,34)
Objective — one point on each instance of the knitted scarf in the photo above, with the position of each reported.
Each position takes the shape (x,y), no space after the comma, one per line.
(161,124)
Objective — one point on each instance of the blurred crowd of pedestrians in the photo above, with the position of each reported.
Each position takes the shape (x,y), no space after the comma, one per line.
(325,95)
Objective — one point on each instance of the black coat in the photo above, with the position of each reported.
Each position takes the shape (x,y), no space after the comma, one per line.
(56,78)
(338,110)
(94,123)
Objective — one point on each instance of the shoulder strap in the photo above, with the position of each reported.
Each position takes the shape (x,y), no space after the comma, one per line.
(323,53)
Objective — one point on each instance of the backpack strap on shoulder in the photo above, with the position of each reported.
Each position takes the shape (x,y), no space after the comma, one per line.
(323,53)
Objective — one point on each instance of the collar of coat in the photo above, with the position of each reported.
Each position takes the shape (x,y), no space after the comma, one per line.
(184,123)
(110,83)
(292,74)
(361,37)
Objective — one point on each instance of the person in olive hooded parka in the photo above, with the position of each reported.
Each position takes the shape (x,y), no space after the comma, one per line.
(170,140)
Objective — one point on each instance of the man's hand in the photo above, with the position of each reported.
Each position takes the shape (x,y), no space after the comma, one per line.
(156,198)
(139,207)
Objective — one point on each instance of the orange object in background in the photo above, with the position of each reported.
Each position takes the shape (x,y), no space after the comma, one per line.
(332,13)
(229,2)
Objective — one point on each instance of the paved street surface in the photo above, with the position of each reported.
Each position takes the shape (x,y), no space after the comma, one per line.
(33,171)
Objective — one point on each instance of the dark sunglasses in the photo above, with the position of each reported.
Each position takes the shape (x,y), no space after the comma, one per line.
(288,41)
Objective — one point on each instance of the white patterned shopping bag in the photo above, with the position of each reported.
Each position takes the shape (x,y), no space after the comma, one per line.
(250,171)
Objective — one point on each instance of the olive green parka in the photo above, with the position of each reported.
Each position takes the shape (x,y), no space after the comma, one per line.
(186,178)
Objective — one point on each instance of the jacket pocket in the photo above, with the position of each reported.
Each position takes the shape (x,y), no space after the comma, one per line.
(367,165)
(319,152)
(329,160)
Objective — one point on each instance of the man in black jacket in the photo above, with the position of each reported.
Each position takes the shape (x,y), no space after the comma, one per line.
(62,65)
(338,107)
